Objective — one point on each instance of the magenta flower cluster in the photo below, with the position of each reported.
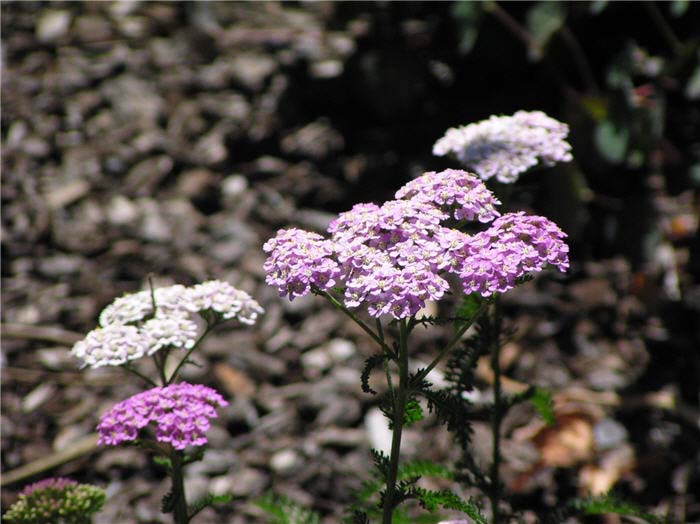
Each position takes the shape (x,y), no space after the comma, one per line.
(506,146)
(180,413)
(394,257)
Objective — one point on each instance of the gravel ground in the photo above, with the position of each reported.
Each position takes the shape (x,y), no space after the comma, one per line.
(173,139)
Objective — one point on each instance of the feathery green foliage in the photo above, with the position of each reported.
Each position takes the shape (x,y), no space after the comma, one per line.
(282,510)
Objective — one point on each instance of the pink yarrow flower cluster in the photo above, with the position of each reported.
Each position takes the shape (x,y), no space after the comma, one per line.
(515,245)
(394,257)
(57,483)
(180,413)
(506,146)
(131,328)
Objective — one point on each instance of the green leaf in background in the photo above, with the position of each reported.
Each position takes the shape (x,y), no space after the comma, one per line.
(543,20)
(611,141)
(610,504)
(282,510)
(466,309)
(692,88)
(467,15)
(679,7)
(543,403)
(598,6)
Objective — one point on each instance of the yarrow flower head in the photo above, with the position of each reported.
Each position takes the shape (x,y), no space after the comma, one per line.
(54,500)
(130,327)
(515,245)
(180,413)
(506,146)
(298,260)
(112,345)
(224,300)
(394,257)
(454,191)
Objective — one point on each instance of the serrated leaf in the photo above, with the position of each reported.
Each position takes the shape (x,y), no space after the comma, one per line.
(612,141)
(467,14)
(543,403)
(370,364)
(543,20)
(431,500)
(167,503)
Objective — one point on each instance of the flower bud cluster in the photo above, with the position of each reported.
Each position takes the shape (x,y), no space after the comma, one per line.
(506,146)
(56,500)
(131,327)
(180,413)
(394,257)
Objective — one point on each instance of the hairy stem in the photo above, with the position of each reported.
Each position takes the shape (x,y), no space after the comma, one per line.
(497,415)
(336,303)
(210,326)
(451,344)
(400,396)
(180,501)
(139,374)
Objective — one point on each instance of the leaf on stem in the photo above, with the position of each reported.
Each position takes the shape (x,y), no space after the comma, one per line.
(209,500)
(370,364)
(167,503)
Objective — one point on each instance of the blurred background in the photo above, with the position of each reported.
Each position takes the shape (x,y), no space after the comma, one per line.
(173,139)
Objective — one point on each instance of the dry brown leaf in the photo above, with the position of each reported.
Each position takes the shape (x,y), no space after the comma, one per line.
(235,382)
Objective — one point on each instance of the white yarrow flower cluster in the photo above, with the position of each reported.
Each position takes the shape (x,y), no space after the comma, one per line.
(506,146)
(223,299)
(130,327)
(112,346)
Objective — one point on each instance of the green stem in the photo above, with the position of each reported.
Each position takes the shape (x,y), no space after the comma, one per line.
(138,374)
(399,408)
(451,344)
(379,340)
(180,501)
(497,415)
(169,381)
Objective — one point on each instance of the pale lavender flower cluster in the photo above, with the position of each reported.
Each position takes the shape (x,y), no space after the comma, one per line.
(506,146)
(394,257)
(130,327)
(297,260)
(515,245)
(180,412)
(453,191)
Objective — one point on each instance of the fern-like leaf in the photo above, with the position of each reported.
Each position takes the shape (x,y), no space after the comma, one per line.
(167,503)
(370,364)
(610,504)
(431,500)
